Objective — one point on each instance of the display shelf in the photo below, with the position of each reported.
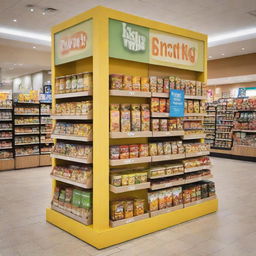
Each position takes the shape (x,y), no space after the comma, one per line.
(191,120)
(166,210)
(32,103)
(118,135)
(43,133)
(71,117)
(198,168)
(194,136)
(139,160)
(8,138)
(202,153)
(167,157)
(69,137)
(209,123)
(191,97)
(26,124)
(117,223)
(45,153)
(5,108)
(227,125)
(168,134)
(32,154)
(72,159)
(25,144)
(160,114)
(7,129)
(129,93)
(200,201)
(245,110)
(194,114)
(84,221)
(7,164)
(248,131)
(27,114)
(165,176)
(167,184)
(223,139)
(48,142)
(205,177)
(223,132)
(73,95)
(134,187)
(29,133)
(71,182)
(160,94)
(5,120)
(2,148)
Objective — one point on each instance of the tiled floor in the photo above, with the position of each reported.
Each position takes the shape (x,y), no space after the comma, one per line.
(24,195)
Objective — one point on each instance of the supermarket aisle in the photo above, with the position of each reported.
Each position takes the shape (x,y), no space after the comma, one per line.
(24,195)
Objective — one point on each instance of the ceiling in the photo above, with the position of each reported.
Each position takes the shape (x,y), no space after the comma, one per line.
(212,17)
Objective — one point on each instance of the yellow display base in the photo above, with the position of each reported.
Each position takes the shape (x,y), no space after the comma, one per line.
(112,236)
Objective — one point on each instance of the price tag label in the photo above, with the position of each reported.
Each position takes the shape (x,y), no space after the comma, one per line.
(131,93)
(131,187)
(131,134)
(129,220)
(129,161)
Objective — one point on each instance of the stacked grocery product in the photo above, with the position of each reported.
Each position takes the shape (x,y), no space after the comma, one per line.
(224,123)
(76,203)
(209,123)
(6,128)
(71,105)
(26,121)
(73,83)
(154,117)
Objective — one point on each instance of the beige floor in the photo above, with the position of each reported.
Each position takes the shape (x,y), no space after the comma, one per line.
(24,195)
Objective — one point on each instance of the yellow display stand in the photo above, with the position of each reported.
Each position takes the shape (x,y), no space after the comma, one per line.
(100,234)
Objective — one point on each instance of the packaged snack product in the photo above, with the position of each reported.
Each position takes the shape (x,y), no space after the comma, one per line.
(168,197)
(56,196)
(68,199)
(125,118)
(160,148)
(131,179)
(74,83)
(145,117)
(198,88)
(114,118)
(144,84)
(166,85)
(172,82)
(153,201)
(152,149)
(117,210)
(136,83)
(57,85)
(160,84)
(163,125)
(177,83)
(116,180)
(125,180)
(134,151)
(155,125)
(155,105)
(76,201)
(190,106)
(143,150)
(88,81)
(136,117)
(124,151)
(186,195)
(196,106)
(167,148)
(128,209)
(153,83)
(177,195)
(114,152)
(86,200)
(116,81)
(161,200)
(127,83)
(162,105)
(62,86)
(139,207)
(68,84)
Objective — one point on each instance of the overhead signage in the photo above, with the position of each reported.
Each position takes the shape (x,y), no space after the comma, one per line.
(141,44)
(176,103)
(73,43)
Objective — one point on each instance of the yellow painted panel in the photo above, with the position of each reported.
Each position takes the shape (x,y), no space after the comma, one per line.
(111,236)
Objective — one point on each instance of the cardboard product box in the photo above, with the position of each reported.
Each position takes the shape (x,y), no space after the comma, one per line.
(45,160)
(26,161)
(6,164)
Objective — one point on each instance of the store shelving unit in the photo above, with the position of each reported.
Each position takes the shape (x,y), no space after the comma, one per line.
(210,123)
(26,160)
(103,232)
(46,141)
(6,126)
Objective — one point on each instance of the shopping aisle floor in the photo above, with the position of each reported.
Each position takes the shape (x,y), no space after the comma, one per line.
(24,195)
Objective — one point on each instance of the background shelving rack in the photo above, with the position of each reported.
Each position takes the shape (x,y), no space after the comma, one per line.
(31,159)
(100,234)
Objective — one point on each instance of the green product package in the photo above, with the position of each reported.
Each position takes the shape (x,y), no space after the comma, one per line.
(86,199)
(76,198)
(62,195)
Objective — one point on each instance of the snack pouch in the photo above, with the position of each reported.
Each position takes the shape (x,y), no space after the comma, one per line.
(127,83)
(116,180)
(76,201)
(136,117)
(160,85)
(145,117)
(168,197)
(136,83)
(144,84)
(116,81)
(128,209)
(161,200)
(153,201)
(124,151)
(125,118)
(153,83)
(117,210)
(143,150)
(114,118)
(155,105)
(139,207)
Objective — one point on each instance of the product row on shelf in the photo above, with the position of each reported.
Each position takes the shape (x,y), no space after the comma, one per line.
(128,120)
(230,122)
(22,137)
